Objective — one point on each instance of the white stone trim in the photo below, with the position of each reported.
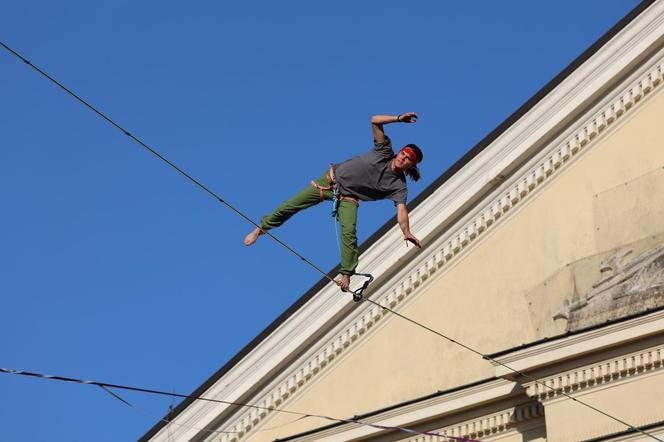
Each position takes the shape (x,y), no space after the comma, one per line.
(443,405)
(593,376)
(482,178)
(490,425)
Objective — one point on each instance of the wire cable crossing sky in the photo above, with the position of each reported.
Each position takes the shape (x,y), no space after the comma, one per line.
(107,387)
(162,158)
(241,214)
(134,276)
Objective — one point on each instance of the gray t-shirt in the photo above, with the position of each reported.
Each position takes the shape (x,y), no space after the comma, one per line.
(369,177)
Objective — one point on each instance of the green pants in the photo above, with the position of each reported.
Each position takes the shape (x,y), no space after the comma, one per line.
(310,196)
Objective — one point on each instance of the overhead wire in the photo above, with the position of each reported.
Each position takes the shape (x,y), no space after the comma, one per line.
(163,158)
(301,257)
(108,387)
(168,422)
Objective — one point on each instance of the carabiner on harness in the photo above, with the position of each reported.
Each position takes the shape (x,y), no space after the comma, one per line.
(357,294)
(335,203)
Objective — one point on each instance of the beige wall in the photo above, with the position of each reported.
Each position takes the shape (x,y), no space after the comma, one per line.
(490,299)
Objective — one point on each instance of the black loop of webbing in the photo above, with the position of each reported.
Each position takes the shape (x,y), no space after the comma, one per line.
(357,294)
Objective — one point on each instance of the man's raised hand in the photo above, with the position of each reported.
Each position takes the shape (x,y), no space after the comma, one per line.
(408,117)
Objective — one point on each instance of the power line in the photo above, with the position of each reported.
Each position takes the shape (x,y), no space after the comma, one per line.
(302,258)
(108,388)
(178,424)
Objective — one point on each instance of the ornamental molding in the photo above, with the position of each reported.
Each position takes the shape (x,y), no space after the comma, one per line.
(509,420)
(604,374)
(334,324)
(450,404)
(486,426)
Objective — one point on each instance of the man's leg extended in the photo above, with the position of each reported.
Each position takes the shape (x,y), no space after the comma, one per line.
(307,197)
(348,221)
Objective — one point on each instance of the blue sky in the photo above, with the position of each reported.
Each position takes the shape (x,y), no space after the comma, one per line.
(115,268)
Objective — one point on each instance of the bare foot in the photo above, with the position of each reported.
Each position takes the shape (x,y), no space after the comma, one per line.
(253,236)
(344,282)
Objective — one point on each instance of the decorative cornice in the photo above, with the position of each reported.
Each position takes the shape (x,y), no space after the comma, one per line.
(493,424)
(483,178)
(596,375)
(498,391)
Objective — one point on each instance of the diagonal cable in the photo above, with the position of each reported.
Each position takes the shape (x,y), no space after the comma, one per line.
(166,421)
(163,158)
(287,247)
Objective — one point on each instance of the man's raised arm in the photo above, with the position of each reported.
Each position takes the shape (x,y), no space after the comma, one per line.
(377,122)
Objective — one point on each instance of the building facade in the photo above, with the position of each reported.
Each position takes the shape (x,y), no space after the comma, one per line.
(544,252)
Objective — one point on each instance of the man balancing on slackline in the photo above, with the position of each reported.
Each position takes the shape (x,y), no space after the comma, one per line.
(376,175)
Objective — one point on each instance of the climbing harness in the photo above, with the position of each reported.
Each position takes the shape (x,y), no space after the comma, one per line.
(336,201)
(329,176)
(332,186)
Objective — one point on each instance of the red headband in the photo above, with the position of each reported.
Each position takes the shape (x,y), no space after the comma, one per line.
(411,153)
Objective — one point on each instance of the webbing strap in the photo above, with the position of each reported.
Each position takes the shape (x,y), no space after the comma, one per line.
(349,198)
(320,189)
(357,294)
